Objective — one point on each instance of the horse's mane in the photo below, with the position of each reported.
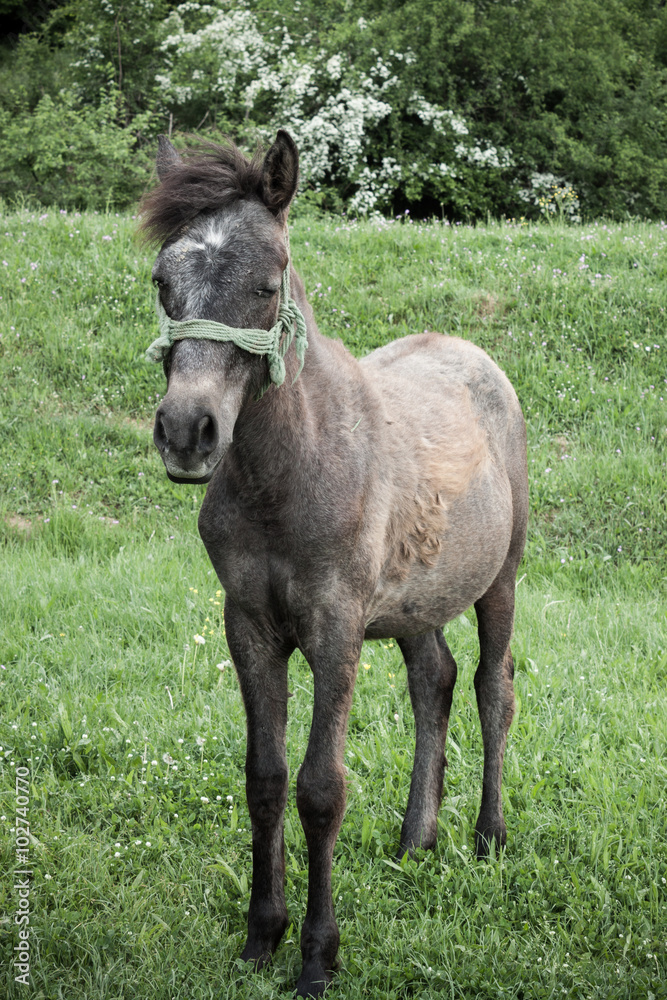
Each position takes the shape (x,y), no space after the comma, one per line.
(204,178)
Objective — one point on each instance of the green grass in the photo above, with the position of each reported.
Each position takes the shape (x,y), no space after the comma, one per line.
(141,846)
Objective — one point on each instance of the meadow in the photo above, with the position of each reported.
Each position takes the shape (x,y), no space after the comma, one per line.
(133,731)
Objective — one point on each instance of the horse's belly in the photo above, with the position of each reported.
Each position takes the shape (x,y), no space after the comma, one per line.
(423,604)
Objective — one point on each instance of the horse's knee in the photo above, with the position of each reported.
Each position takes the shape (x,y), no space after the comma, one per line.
(266,792)
(320,797)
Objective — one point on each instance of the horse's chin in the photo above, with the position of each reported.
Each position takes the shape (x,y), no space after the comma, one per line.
(191,480)
(197,478)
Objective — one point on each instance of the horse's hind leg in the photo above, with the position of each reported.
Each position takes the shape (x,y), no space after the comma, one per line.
(431,678)
(495,700)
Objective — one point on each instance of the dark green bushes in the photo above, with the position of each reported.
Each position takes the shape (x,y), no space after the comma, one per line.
(460,108)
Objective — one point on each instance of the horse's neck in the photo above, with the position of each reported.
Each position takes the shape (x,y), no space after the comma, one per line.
(294,425)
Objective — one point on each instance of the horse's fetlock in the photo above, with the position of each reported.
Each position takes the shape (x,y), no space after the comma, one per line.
(319,945)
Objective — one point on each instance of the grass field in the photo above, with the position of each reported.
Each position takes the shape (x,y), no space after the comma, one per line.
(134,735)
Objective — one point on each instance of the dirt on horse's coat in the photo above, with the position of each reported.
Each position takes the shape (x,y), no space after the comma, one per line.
(360,500)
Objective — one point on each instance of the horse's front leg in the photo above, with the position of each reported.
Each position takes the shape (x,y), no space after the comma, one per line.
(320,791)
(261,665)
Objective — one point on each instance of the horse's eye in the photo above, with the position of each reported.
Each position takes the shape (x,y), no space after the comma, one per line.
(266,293)
(159,283)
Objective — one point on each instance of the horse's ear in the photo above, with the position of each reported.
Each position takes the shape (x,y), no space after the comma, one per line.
(280,174)
(167,157)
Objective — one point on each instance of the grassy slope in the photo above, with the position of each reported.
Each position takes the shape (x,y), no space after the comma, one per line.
(141,884)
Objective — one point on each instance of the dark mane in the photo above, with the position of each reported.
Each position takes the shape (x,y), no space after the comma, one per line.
(205,178)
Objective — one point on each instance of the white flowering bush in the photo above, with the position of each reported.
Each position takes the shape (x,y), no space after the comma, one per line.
(211,52)
(361,128)
(552,196)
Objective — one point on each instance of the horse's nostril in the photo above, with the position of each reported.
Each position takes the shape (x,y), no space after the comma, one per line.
(160,434)
(208,435)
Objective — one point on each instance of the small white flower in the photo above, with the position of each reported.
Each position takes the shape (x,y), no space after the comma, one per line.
(200,640)
(203,798)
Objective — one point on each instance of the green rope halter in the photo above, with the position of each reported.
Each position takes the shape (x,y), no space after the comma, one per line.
(269,342)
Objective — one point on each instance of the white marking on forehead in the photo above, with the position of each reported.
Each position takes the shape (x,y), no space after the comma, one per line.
(212,236)
(194,286)
(216,235)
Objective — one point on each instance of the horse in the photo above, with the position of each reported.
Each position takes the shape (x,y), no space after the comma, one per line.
(348,499)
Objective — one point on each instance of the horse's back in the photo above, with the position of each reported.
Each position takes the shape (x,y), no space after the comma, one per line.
(431,376)
(442,360)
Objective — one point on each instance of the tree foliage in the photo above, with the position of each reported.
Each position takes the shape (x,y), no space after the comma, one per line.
(460,107)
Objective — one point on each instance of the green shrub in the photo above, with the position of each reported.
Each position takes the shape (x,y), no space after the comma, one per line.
(68,153)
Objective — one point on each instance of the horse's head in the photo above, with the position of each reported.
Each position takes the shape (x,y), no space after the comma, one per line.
(221,220)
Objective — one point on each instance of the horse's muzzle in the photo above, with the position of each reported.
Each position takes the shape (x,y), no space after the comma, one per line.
(189,441)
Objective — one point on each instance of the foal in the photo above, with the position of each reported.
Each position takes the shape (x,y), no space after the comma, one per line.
(349,500)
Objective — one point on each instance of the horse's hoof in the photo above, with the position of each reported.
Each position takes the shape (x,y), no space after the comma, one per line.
(484,838)
(262,940)
(257,958)
(312,983)
(423,841)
